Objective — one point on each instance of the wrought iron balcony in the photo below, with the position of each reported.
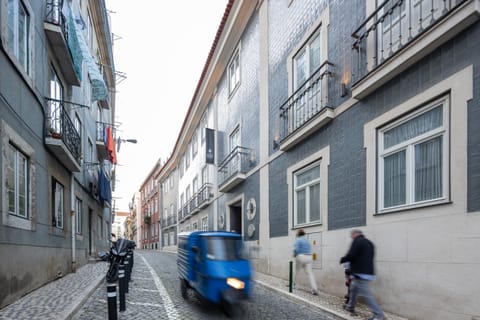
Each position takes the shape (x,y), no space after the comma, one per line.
(204,195)
(305,105)
(401,32)
(61,137)
(233,168)
(56,29)
(194,204)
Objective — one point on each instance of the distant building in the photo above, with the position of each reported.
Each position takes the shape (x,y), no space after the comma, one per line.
(57,103)
(119,226)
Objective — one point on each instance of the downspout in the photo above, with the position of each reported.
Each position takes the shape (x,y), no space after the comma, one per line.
(72,218)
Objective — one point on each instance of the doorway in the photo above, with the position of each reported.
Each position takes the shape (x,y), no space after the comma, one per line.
(235,211)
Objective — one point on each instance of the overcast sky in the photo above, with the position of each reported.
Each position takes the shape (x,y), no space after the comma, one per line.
(162,46)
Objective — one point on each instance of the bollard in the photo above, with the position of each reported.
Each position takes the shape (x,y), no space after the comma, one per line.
(112,301)
(127,274)
(290,276)
(121,285)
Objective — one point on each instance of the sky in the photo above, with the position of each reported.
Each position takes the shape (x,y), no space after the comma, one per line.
(162,47)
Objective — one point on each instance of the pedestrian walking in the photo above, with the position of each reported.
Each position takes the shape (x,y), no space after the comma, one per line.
(303,259)
(360,256)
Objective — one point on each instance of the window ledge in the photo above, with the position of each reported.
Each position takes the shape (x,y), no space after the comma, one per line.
(426,43)
(412,207)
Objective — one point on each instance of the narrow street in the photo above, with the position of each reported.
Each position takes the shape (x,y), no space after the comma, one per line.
(154,293)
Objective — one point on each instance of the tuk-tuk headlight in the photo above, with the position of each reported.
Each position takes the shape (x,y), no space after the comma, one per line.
(235,283)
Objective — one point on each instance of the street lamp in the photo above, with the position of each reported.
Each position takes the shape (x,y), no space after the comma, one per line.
(120,140)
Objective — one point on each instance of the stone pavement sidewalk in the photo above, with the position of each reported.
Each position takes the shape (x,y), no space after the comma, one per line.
(59,299)
(62,298)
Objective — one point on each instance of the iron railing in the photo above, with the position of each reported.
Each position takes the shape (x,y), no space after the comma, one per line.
(54,15)
(393,25)
(204,194)
(236,162)
(60,126)
(306,102)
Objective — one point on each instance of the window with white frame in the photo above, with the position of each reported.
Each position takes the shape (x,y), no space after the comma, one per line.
(195,226)
(413,158)
(58,204)
(181,165)
(78,216)
(204,175)
(234,72)
(234,139)
(18,32)
(205,223)
(306,195)
(17,182)
(203,127)
(172,209)
(195,185)
(56,93)
(171,181)
(187,157)
(307,60)
(194,145)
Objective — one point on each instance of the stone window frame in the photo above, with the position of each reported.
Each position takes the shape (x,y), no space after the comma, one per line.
(323,157)
(459,87)
(27,74)
(10,137)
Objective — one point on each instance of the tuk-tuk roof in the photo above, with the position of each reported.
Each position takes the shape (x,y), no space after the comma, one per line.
(210,234)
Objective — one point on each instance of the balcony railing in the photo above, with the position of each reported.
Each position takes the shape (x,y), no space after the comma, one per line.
(59,127)
(306,102)
(233,168)
(391,27)
(57,31)
(204,195)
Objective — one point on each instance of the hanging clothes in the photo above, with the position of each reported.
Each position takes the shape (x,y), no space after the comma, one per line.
(111,146)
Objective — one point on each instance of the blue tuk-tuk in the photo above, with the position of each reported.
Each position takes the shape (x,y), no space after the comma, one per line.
(211,263)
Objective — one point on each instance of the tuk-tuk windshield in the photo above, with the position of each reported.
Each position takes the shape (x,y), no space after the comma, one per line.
(224,248)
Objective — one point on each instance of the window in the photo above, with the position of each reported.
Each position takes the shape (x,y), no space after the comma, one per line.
(187,157)
(17,182)
(56,93)
(195,226)
(234,72)
(203,126)
(307,60)
(181,165)
(195,185)
(205,224)
(307,195)
(89,155)
(172,209)
(18,32)
(194,144)
(78,216)
(204,175)
(412,158)
(58,204)
(234,139)
(170,179)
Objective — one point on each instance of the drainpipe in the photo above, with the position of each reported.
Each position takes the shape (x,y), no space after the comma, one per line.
(72,218)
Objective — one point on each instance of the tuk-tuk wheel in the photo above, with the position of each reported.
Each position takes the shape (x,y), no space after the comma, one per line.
(183,288)
(228,307)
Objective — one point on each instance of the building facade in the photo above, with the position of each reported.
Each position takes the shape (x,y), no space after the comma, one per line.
(167,179)
(57,103)
(327,116)
(150,210)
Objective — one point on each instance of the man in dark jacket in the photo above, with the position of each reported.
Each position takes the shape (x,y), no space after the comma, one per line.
(360,256)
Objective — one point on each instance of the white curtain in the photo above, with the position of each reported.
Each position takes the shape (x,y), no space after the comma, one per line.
(428,170)
(394,193)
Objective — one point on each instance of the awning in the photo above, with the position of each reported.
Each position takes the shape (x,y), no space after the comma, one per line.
(81,53)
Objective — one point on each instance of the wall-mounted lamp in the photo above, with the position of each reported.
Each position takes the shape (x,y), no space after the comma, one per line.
(252,157)
(276,139)
(344,90)
(120,140)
